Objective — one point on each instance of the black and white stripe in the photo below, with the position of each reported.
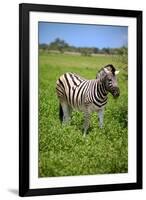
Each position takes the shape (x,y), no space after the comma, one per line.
(85,95)
(77,91)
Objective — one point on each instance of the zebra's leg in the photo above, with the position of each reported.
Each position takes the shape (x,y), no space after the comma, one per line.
(100,117)
(70,112)
(66,111)
(86,122)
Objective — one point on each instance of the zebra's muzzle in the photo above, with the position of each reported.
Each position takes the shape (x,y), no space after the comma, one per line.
(116,92)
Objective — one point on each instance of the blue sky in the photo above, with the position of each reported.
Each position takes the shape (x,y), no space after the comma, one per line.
(84,35)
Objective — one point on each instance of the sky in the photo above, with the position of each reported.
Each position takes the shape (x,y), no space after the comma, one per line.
(80,35)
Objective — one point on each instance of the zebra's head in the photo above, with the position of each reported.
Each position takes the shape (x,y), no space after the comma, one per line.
(108,74)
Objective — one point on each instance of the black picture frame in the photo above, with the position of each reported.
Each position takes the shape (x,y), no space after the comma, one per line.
(24,106)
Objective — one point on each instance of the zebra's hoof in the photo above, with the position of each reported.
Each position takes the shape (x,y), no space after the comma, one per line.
(85,132)
(84,135)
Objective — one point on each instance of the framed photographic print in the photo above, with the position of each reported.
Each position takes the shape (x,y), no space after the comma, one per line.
(80,99)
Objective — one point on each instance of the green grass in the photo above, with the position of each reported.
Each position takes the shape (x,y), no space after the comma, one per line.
(63,151)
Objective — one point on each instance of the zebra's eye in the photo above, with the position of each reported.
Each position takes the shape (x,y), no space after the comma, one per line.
(110,80)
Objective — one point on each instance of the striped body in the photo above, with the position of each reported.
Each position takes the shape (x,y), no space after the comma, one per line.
(80,93)
(75,92)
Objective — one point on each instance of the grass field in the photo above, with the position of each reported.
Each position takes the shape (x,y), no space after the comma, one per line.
(63,151)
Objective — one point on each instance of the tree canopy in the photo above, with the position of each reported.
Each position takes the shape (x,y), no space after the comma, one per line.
(62,46)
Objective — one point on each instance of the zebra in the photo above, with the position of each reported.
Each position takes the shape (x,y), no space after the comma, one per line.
(76,92)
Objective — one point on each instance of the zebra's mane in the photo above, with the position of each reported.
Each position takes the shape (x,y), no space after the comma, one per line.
(101,72)
(111,68)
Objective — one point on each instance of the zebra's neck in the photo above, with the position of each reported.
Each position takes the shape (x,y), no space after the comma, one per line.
(101,89)
(98,94)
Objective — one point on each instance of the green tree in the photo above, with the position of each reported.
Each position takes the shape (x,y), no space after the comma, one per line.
(59,45)
(123,55)
(106,50)
(43,46)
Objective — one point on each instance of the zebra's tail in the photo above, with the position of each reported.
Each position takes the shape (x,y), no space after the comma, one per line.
(60,113)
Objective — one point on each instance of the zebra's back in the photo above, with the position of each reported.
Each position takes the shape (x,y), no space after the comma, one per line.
(79,92)
(68,87)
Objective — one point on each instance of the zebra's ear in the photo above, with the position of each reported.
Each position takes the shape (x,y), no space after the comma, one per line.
(106,70)
(117,72)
